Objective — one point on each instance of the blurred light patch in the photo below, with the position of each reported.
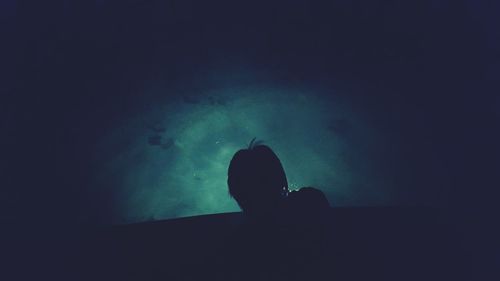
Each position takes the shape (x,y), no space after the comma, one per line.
(171,161)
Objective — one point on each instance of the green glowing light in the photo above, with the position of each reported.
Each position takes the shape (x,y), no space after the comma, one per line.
(189,177)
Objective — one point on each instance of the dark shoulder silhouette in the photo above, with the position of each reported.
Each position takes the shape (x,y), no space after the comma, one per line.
(307,202)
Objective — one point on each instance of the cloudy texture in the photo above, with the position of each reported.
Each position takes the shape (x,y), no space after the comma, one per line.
(170,160)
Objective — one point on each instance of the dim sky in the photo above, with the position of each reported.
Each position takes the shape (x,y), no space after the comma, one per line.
(375,103)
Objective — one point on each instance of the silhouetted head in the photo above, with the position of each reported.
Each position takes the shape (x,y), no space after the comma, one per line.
(256,179)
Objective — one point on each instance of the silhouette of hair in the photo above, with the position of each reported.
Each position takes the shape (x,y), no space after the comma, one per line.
(256,178)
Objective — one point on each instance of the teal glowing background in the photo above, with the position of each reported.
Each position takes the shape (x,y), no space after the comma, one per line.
(170,159)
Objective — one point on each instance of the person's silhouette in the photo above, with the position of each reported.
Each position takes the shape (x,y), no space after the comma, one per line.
(283,239)
(257,181)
